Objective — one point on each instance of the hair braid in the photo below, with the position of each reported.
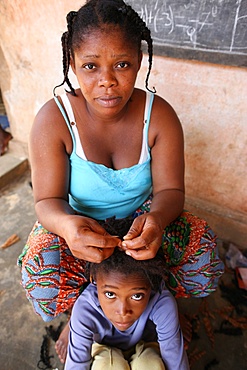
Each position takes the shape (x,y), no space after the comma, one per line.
(66,48)
(145,35)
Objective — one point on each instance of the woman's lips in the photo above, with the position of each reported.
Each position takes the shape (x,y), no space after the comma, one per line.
(108,101)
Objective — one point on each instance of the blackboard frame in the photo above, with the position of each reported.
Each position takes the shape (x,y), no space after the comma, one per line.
(226,59)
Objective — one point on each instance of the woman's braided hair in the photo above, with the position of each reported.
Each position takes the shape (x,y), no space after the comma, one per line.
(152,270)
(94,15)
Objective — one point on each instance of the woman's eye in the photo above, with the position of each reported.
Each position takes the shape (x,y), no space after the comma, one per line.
(89,66)
(110,295)
(137,297)
(122,65)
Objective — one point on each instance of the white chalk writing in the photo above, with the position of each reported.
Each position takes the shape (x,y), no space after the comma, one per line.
(212,25)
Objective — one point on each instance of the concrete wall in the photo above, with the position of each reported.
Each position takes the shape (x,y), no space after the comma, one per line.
(210,101)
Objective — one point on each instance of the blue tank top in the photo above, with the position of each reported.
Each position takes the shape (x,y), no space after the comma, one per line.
(101,192)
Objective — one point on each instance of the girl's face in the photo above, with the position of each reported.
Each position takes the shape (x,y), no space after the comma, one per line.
(122,298)
(106,67)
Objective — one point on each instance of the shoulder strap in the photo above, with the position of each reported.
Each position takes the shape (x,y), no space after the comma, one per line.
(71,123)
(148,107)
(68,109)
(147,115)
(63,114)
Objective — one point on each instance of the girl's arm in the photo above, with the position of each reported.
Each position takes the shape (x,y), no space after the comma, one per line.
(80,339)
(170,338)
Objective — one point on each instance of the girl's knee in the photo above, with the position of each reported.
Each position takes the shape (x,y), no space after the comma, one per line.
(147,356)
(108,358)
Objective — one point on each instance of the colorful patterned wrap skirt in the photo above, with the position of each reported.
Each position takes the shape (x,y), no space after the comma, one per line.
(53,278)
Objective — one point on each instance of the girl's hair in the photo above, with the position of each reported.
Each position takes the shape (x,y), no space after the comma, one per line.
(152,270)
(94,15)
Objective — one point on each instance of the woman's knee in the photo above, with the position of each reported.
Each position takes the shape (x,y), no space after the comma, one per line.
(40,269)
(190,249)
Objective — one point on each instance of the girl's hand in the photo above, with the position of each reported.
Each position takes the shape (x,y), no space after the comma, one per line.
(144,237)
(87,240)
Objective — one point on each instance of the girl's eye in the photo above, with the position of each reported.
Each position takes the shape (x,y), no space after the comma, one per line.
(137,297)
(122,65)
(89,66)
(110,295)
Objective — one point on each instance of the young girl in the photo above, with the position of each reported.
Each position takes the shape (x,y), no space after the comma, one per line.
(117,321)
(108,150)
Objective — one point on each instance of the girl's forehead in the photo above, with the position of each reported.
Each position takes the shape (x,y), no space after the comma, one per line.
(117,279)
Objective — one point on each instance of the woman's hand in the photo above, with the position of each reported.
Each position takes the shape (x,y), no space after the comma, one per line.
(144,237)
(88,240)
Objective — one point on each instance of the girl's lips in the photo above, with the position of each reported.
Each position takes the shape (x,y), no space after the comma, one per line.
(123,325)
(108,101)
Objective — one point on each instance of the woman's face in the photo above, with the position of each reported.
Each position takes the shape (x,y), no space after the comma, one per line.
(106,67)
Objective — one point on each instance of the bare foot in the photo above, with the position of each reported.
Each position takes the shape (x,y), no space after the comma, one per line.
(186,328)
(62,343)
(5,137)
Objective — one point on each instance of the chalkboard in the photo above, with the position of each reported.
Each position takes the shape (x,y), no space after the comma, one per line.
(208,30)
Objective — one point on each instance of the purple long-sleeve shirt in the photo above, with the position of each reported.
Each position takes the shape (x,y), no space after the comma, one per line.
(159,322)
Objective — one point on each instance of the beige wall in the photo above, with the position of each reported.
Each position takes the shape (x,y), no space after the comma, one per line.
(210,101)
(30,56)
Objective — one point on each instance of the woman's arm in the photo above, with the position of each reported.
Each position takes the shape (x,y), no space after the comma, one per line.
(167,166)
(50,145)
